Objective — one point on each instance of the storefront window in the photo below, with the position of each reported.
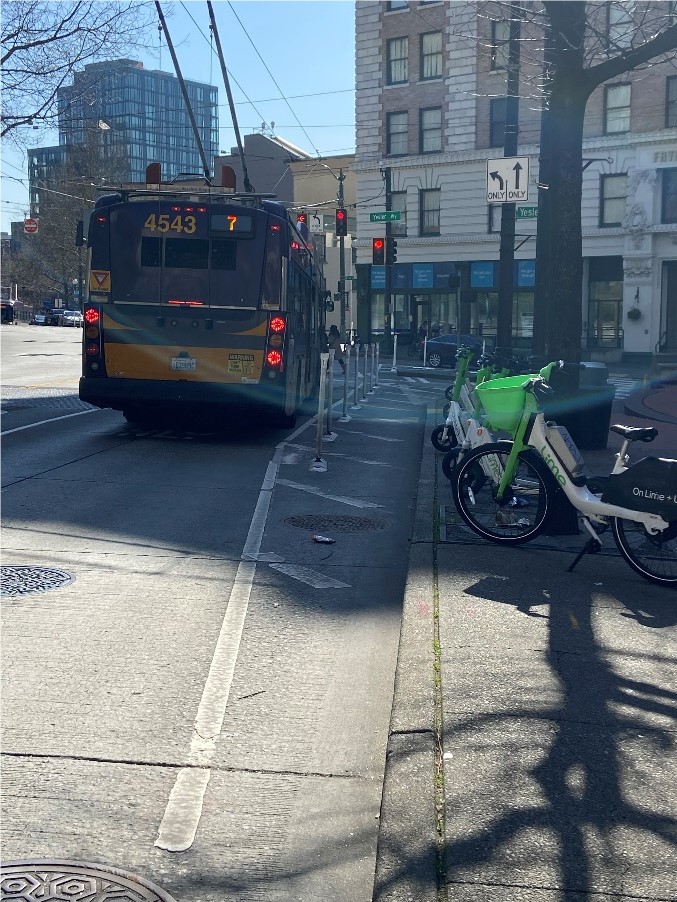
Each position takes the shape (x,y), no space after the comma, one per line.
(605,309)
(377,313)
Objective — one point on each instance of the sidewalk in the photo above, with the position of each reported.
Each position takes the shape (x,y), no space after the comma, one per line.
(531,747)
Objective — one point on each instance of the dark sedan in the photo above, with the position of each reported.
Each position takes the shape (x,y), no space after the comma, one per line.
(441,350)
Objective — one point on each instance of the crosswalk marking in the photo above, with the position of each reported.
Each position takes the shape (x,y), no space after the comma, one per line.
(624,387)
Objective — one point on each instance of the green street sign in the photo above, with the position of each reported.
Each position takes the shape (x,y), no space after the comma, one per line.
(350,278)
(526,213)
(386,216)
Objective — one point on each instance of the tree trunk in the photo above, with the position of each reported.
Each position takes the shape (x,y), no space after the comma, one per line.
(564,260)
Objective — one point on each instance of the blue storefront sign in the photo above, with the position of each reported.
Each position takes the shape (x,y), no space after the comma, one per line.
(482,274)
(401,276)
(422,275)
(526,273)
(378,277)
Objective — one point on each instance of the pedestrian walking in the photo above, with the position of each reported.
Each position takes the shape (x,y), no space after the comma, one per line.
(335,343)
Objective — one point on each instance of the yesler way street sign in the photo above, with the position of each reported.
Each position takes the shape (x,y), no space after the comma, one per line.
(507,180)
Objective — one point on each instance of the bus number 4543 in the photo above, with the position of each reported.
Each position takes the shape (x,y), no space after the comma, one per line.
(162,223)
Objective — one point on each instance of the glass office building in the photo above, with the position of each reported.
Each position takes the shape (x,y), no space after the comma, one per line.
(139,116)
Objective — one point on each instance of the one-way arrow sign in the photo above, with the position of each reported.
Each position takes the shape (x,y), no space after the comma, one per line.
(507,180)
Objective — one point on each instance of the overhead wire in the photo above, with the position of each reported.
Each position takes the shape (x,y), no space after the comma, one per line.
(282,96)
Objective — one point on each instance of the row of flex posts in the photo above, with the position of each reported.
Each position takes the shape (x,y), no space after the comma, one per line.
(368,356)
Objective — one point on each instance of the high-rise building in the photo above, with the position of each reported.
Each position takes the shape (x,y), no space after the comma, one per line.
(431,91)
(134,116)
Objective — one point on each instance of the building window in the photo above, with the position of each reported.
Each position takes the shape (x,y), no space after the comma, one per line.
(669,196)
(619,26)
(612,193)
(671,101)
(497,113)
(398,52)
(396,4)
(398,202)
(430,130)
(616,109)
(500,44)
(397,124)
(431,55)
(430,211)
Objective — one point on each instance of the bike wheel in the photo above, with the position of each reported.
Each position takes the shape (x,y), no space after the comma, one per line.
(653,557)
(449,461)
(436,438)
(522,514)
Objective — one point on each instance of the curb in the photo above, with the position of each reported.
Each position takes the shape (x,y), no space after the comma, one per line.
(406,857)
(633,405)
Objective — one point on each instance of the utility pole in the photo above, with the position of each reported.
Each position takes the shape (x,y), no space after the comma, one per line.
(342,260)
(507,251)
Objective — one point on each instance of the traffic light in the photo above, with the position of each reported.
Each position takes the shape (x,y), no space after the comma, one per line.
(378,251)
(391,250)
(302,217)
(341,223)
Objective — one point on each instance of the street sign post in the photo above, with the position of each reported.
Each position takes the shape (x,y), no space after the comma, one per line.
(526,213)
(385,216)
(507,180)
(30,226)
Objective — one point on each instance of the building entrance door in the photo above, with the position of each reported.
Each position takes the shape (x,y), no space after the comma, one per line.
(668,336)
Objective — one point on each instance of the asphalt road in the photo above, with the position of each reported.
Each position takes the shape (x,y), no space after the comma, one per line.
(206,702)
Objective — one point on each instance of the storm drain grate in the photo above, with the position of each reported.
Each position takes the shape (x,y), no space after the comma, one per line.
(75,881)
(28,580)
(338,523)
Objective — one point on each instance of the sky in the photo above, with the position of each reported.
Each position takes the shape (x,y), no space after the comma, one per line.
(308,46)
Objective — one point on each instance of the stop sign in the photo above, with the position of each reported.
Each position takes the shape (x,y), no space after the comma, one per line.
(30,226)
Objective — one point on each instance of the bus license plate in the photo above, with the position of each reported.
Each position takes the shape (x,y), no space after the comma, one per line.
(241,364)
(184,363)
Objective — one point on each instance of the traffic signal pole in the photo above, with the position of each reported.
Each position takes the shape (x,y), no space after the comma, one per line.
(342,261)
(387,315)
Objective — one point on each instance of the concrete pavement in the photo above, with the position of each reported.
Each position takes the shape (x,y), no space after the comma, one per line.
(531,748)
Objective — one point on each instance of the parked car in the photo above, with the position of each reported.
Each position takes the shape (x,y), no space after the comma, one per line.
(441,350)
(71,318)
(38,320)
(53,317)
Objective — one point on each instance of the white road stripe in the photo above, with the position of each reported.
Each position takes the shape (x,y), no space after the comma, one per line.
(421,379)
(310,577)
(409,379)
(52,420)
(312,490)
(357,460)
(381,438)
(184,807)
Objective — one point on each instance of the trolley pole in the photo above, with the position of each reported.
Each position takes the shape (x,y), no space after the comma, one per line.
(393,368)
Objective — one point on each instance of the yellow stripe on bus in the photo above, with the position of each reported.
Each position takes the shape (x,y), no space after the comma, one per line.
(175,363)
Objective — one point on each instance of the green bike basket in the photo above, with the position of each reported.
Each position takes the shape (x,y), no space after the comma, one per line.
(503,401)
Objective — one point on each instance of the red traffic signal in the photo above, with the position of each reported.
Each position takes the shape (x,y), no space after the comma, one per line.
(378,251)
(341,223)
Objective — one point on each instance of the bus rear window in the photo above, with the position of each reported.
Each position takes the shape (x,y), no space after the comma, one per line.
(151,250)
(224,253)
(183,254)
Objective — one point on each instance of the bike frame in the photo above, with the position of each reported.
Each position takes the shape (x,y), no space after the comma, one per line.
(531,434)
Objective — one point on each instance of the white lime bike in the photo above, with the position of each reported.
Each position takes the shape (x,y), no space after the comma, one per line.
(542,464)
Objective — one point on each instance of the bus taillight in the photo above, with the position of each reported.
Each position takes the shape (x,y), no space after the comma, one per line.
(92,315)
(277,324)
(274,358)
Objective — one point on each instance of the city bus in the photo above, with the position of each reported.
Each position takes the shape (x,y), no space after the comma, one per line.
(200,301)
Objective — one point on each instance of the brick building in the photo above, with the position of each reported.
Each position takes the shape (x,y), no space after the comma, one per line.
(430,112)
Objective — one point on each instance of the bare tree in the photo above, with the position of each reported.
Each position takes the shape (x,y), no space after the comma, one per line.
(44,42)
(582,51)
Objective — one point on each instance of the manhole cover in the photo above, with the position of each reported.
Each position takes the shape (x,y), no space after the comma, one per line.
(75,881)
(338,523)
(27,580)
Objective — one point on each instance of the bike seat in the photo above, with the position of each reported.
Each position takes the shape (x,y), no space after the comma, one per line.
(636,433)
